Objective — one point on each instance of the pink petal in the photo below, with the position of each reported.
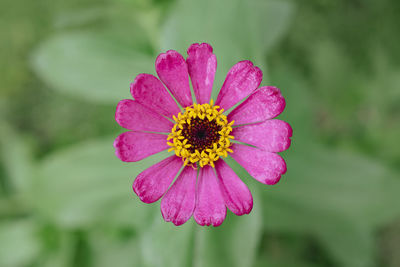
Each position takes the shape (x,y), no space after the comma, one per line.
(149,91)
(210,207)
(242,79)
(202,65)
(151,184)
(134,146)
(236,194)
(270,135)
(172,69)
(265,167)
(178,204)
(134,116)
(265,103)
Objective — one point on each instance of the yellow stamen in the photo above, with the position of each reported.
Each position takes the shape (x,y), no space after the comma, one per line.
(207,114)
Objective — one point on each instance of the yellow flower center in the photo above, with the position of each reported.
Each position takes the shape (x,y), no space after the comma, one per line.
(201,134)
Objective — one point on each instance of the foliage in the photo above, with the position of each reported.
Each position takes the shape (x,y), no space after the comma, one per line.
(66,200)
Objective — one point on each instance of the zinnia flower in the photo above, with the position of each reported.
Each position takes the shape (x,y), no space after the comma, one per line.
(200,135)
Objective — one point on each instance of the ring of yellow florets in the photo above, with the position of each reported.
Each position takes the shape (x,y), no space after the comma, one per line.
(201,135)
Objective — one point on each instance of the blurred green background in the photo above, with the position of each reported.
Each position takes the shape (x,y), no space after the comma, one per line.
(66,200)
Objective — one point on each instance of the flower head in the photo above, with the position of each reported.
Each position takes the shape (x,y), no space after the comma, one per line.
(201,135)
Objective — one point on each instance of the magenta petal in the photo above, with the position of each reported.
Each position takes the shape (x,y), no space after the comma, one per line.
(265,167)
(236,194)
(134,116)
(151,184)
(210,206)
(242,79)
(172,69)
(134,146)
(178,204)
(202,65)
(265,103)
(149,91)
(270,135)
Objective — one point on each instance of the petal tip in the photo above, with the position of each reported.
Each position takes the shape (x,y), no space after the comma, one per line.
(273,181)
(246,209)
(169,59)
(136,186)
(214,223)
(175,221)
(210,220)
(137,82)
(197,46)
(276,179)
(119,111)
(249,64)
(117,146)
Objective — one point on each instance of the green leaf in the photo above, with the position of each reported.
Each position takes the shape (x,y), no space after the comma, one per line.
(18,242)
(94,66)
(299,101)
(358,187)
(172,245)
(58,247)
(109,246)
(234,243)
(15,154)
(87,184)
(268,22)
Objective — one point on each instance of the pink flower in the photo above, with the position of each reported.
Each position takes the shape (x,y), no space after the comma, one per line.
(200,135)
